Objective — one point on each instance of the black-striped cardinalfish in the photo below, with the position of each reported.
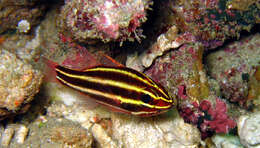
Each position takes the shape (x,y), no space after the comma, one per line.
(120,88)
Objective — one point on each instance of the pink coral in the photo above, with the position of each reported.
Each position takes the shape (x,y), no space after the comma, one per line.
(207,118)
(220,123)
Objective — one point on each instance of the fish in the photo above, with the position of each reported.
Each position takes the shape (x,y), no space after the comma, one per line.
(119,88)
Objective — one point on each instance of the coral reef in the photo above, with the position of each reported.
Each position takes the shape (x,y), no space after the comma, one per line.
(181,71)
(254,90)
(63,49)
(177,53)
(212,22)
(207,22)
(108,20)
(234,66)
(25,47)
(19,83)
(193,27)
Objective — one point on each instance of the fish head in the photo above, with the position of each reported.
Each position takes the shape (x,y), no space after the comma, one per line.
(154,101)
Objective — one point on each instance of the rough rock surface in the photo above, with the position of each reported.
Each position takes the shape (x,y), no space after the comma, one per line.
(19,82)
(104,20)
(49,132)
(226,141)
(164,131)
(233,66)
(13,11)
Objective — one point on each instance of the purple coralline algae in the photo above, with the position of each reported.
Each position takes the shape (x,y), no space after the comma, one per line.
(214,21)
(207,22)
(182,72)
(106,20)
(234,67)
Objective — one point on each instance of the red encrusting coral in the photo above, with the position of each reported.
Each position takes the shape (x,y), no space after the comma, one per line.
(220,121)
(208,119)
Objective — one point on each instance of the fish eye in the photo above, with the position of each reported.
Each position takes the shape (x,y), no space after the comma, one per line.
(146,98)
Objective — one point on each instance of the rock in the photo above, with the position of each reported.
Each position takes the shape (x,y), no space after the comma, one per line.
(226,141)
(12,12)
(13,133)
(162,131)
(19,82)
(7,136)
(105,20)
(249,130)
(55,133)
(83,113)
(233,66)
(102,137)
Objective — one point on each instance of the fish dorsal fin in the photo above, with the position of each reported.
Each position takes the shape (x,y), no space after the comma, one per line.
(106,60)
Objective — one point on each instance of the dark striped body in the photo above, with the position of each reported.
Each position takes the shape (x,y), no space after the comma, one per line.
(120,88)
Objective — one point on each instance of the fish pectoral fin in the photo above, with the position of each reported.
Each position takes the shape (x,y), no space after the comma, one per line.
(114,108)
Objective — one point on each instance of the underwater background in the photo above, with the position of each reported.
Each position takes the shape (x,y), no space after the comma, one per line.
(193,76)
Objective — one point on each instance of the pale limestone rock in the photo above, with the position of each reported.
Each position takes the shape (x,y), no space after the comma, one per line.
(80,111)
(7,136)
(226,141)
(165,42)
(249,130)
(102,137)
(161,131)
(21,134)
